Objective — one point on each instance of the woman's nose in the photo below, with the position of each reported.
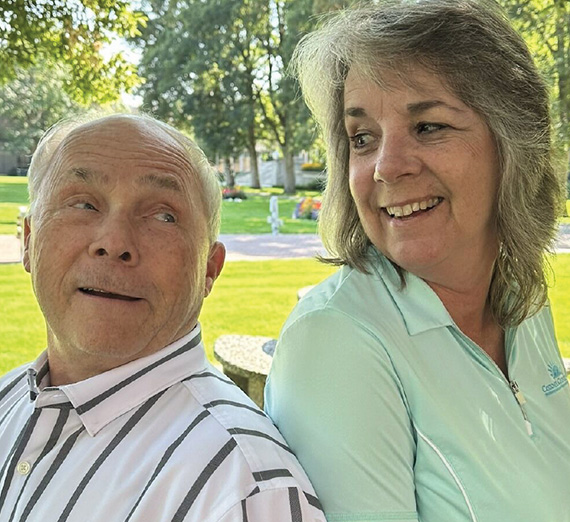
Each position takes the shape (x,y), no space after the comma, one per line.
(396,157)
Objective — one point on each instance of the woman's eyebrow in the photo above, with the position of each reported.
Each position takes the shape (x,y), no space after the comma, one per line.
(426,105)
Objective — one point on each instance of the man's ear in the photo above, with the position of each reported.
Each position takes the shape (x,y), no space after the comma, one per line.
(27,237)
(215,264)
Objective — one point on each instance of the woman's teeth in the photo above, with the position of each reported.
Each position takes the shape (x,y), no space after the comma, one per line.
(410,208)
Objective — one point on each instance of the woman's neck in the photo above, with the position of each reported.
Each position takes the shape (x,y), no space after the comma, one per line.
(470,310)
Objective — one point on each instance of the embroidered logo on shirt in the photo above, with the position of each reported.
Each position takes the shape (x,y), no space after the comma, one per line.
(558,380)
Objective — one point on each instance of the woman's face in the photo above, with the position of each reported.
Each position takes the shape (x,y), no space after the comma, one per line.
(424,175)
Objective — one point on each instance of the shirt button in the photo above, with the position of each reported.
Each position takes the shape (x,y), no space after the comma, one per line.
(24,467)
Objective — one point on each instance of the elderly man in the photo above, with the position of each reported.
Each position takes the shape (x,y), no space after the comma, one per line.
(122,418)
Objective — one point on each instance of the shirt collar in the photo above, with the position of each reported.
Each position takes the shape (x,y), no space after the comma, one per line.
(419,305)
(104,397)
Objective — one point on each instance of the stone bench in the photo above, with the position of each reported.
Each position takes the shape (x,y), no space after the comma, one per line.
(303,291)
(246,360)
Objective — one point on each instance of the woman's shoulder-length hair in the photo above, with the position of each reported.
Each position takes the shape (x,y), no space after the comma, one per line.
(473,48)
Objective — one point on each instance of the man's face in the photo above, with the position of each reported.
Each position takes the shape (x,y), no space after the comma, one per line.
(117,247)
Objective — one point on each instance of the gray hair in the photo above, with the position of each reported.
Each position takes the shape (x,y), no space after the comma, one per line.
(202,170)
(471,45)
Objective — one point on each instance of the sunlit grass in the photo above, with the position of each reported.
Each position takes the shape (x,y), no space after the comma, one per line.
(251,298)
(244,217)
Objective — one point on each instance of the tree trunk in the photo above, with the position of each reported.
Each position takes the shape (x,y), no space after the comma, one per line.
(229,173)
(567,186)
(289,184)
(255,182)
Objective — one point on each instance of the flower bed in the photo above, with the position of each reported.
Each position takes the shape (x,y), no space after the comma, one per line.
(307,208)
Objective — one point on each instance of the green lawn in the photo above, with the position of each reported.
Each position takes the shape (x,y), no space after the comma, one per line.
(249,298)
(13,195)
(246,217)
(566,220)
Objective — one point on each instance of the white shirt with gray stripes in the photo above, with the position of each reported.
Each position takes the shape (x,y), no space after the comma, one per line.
(164,438)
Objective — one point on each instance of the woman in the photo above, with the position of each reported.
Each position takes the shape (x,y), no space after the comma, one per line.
(423,380)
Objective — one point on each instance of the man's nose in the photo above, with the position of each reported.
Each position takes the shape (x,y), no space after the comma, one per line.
(116,240)
(396,157)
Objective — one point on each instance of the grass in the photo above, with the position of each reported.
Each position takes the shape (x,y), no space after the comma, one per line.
(249,298)
(245,217)
(559,294)
(566,220)
(250,216)
(13,195)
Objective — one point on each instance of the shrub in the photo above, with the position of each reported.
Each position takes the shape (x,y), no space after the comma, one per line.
(312,167)
(233,193)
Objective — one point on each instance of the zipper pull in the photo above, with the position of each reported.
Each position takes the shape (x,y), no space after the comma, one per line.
(517,393)
(521,401)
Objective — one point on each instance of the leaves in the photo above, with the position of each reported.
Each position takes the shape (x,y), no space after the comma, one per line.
(71,33)
(31,103)
(219,68)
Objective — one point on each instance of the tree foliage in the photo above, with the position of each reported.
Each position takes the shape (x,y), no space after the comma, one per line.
(71,33)
(200,72)
(219,67)
(31,103)
(545,25)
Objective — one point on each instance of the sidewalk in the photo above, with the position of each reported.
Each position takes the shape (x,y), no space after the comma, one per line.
(238,247)
(260,247)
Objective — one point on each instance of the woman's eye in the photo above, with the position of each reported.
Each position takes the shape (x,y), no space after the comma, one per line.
(428,128)
(360,140)
(83,205)
(166,217)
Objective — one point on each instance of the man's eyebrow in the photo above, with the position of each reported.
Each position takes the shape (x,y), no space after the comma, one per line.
(162,182)
(81,173)
(419,107)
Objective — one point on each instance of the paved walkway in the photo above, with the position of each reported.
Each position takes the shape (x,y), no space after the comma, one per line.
(259,247)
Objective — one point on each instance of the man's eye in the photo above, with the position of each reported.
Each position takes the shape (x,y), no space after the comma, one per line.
(83,205)
(360,140)
(166,217)
(428,128)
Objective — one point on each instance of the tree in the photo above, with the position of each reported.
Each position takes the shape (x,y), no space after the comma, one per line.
(31,103)
(545,25)
(282,107)
(70,33)
(200,73)
(220,66)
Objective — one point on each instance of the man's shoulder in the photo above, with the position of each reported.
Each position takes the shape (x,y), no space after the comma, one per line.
(263,450)
(13,380)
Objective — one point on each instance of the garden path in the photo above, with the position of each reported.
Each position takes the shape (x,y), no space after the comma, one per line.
(260,247)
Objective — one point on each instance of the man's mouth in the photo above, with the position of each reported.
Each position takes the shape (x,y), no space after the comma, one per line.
(108,295)
(412,208)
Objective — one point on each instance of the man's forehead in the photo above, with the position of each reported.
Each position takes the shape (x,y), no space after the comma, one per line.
(123,129)
(114,139)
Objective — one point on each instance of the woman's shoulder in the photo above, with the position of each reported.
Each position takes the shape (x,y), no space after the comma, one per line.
(348,297)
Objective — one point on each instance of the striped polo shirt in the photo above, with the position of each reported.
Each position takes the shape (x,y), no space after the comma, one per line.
(163,438)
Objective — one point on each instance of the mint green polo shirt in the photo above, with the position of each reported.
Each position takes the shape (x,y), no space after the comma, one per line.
(396,415)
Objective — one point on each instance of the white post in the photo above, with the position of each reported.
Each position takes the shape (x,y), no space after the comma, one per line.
(273,218)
